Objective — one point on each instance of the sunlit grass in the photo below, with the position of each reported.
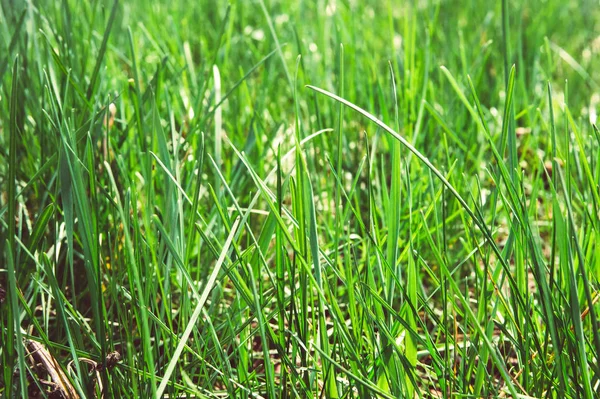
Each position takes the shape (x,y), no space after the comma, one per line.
(299,199)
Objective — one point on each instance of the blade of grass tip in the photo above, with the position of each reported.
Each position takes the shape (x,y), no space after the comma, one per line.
(14,317)
(495,193)
(508,125)
(484,229)
(194,317)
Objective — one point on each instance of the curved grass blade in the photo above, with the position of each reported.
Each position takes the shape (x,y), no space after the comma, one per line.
(476,220)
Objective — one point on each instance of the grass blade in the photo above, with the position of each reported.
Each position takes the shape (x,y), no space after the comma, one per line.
(463,203)
(194,317)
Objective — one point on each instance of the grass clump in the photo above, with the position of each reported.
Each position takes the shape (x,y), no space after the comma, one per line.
(299,199)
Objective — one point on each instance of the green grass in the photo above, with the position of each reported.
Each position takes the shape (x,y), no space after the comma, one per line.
(280,199)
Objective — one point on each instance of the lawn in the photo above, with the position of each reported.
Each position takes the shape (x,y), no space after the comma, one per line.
(317,199)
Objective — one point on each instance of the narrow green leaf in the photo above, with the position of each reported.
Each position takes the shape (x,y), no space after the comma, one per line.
(194,317)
